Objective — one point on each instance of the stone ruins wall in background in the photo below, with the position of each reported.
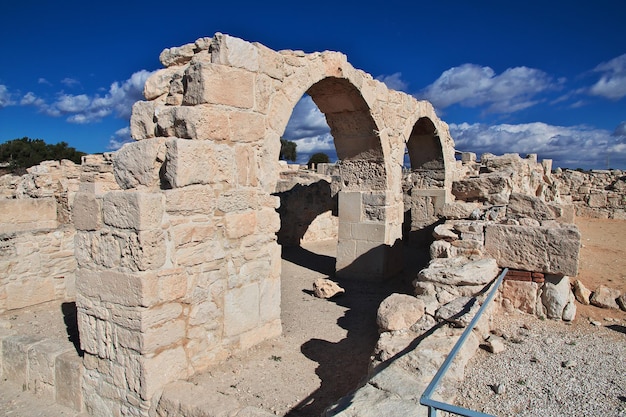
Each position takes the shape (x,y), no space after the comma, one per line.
(37,262)
(595,194)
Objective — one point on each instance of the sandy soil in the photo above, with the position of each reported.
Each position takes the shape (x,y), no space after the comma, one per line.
(325,348)
(602,261)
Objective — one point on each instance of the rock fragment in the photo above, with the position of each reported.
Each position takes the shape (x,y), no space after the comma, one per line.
(325,288)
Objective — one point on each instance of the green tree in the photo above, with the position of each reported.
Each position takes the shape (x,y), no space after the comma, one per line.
(318,158)
(25,152)
(288,150)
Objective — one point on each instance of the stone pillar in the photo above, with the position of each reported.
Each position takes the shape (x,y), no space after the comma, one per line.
(369,238)
(131,322)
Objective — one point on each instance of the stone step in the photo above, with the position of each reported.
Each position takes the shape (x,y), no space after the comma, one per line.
(48,368)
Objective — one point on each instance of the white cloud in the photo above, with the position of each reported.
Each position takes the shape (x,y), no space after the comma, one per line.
(568,146)
(83,108)
(121,137)
(30,99)
(5,97)
(393,81)
(306,120)
(471,85)
(307,127)
(612,83)
(70,82)
(43,81)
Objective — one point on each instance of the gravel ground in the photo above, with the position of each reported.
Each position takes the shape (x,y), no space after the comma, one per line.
(550,368)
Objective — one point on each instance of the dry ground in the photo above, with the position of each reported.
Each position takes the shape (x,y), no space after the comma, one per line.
(326,344)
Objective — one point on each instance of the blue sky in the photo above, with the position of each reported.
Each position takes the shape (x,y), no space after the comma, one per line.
(543,77)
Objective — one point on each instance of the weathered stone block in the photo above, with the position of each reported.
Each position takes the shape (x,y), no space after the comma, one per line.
(142,120)
(493,188)
(241,309)
(597,200)
(399,312)
(246,126)
(240,224)
(87,212)
(521,205)
(139,163)
(128,289)
(158,83)
(234,52)
(556,295)
(195,199)
(552,250)
(41,365)
(198,162)
(27,214)
(459,271)
(270,299)
(158,370)
(219,84)
(204,122)
(521,294)
(28,291)
(68,372)
(15,358)
(177,55)
(605,297)
(350,207)
(133,210)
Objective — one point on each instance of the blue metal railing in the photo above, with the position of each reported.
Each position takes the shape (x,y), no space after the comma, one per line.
(426,399)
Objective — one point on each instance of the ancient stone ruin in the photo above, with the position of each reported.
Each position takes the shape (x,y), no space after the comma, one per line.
(171,247)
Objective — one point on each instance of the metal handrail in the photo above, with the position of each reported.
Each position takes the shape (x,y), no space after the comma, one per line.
(426,399)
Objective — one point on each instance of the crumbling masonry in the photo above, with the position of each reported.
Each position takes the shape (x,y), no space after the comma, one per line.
(170,247)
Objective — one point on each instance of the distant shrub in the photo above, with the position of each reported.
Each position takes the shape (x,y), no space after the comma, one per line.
(318,158)
(19,154)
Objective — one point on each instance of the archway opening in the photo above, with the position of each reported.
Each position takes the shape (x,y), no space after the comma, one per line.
(423,183)
(335,336)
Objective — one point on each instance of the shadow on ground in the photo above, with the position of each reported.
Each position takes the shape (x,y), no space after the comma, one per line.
(343,366)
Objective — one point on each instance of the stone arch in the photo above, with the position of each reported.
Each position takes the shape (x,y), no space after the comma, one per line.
(427,183)
(333,85)
(188,244)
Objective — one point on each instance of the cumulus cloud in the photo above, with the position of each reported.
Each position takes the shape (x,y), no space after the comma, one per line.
(5,97)
(568,146)
(43,81)
(119,138)
(471,85)
(393,81)
(84,108)
(612,83)
(306,120)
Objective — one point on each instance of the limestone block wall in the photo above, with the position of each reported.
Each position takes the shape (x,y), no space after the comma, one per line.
(175,272)
(37,261)
(595,194)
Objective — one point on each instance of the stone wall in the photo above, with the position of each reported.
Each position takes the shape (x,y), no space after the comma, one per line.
(37,262)
(595,194)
